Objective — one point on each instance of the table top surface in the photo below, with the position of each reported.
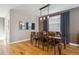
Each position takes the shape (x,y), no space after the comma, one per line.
(56,37)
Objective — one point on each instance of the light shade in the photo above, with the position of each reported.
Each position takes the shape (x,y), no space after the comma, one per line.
(44,18)
(40,18)
(47,17)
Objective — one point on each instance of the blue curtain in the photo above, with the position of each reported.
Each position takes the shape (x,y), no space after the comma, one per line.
(65,23)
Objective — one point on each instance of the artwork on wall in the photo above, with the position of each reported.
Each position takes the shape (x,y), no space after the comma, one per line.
(26,26)
(20,25)
(33,26)
(29,25)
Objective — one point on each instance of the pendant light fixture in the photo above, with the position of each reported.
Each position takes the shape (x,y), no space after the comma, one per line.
(44,17)
(48,13)
(40,15)
(40,18)
(48,17)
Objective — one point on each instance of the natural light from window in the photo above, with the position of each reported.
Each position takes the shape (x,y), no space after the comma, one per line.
(54,23)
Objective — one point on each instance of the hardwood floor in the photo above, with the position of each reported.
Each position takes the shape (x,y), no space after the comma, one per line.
(1,42)
(25,48)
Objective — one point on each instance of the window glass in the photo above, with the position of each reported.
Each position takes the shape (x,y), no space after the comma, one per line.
(54,23)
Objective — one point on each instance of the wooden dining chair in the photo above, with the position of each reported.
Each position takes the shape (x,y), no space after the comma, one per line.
(40,36)
(32,37)
(50,40)
(55,43)
(62,38)
(42,40)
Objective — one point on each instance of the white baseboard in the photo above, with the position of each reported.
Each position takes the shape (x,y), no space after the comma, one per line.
(19,41)
(74,44)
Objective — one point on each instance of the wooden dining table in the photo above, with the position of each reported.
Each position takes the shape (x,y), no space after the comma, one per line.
(55,39)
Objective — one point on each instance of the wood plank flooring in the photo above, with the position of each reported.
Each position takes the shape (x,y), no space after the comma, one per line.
(1,42)
(25,48)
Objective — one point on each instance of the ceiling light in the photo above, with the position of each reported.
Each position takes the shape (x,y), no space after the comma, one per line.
(44,18)
(40,18)
(47,17)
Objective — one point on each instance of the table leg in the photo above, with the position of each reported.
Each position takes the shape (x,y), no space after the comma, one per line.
(54,47)
(59,48)
(38,43)
(31,41)
(54,50)
(35,42)
(47,47)
(42,45)
(64,45)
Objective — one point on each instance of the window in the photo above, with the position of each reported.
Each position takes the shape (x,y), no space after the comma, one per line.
(54,23)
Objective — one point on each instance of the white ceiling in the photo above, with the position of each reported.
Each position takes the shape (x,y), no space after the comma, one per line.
(33,9)
(23,8)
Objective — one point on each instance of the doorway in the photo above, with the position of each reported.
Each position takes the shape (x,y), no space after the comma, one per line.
(2,31)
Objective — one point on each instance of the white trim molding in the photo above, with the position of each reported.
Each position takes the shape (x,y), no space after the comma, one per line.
(19,41)
(74,44)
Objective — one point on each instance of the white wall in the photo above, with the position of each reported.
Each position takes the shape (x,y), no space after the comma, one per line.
(7,26)
(74,25)
(15,33)
(2,28)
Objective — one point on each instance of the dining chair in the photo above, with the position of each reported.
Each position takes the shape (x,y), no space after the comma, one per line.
(40,36)
(56,42)
(42,40)
(32,37)
(50,40)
